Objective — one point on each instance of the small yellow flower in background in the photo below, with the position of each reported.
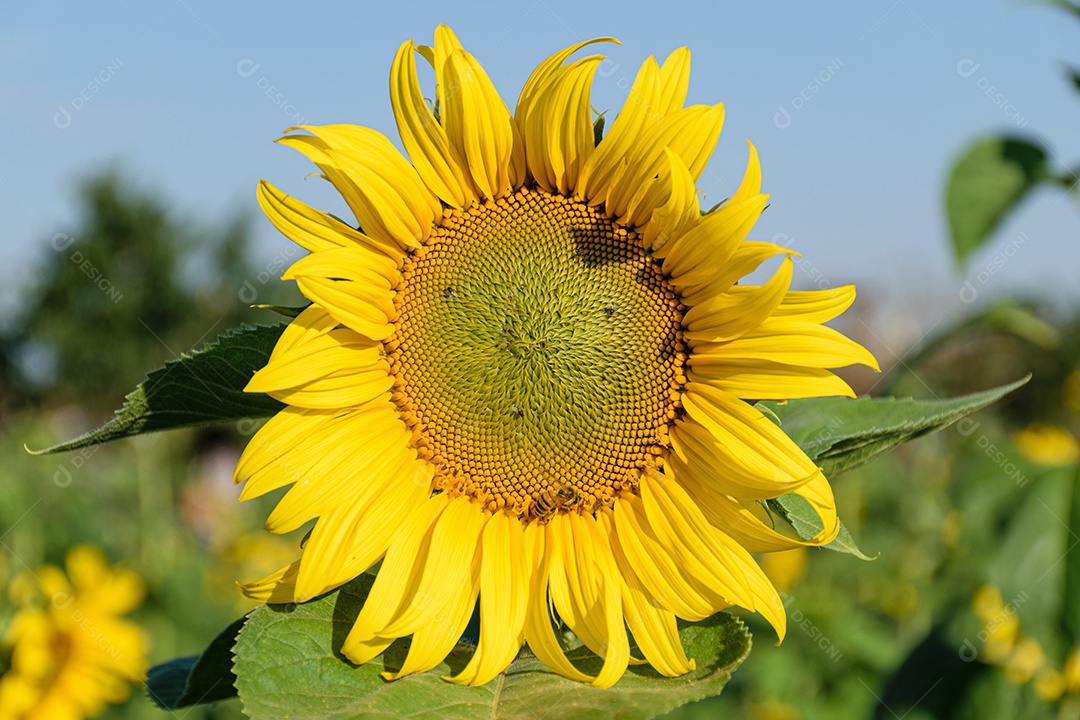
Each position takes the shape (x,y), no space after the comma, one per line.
(1049,684)
(1001,624)
(786,567)
(1026,659)
(524,376)
(1048,444)
(244,555)
(1021,657)
(71,652)
(1071,672)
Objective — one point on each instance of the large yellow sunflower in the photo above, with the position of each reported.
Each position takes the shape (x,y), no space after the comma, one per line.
(72,652)
(523,377)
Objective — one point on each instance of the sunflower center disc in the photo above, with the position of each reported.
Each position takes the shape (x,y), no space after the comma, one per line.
(538,354)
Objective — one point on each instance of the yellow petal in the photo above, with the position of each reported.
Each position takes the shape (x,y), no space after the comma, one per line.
(314,230)
(744,260)
(816,305)
(679,212)
(731,516)
(737,311)
(352,286)
(409,488)
(277,587)
(653,627)
(752,452)
(479,126)
(353,264)
(558,128)
(318,366)
(294,440)
(674,81)
(504,593)
(396,583)
(634,120)
(539,631)
(800,343)
(349,540)
(364,149)
(746,435)
(691,133)
(432,642)
(668,585)
(751,379)
(281,434)
(386,195)
(358,305)
(446,43)
(702,252)
(447,568)
(656,93)
(345,473)
(424,138)
(566,597)
(735,466)
(707,552)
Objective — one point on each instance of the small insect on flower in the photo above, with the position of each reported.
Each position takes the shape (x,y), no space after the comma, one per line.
(554,498)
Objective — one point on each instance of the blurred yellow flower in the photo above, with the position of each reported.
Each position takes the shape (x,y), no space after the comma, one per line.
(785,568)
(987,603)
(1049,684)
(1048,444)
(1002,626)
(71,652)
(1026,659)
(248,553)
(1072,671)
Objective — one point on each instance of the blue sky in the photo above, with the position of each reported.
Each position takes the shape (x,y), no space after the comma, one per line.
(856,109)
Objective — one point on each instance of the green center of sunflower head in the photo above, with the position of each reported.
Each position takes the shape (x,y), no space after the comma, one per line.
(538,355)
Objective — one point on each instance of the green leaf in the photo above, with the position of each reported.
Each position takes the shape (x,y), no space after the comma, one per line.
(197,679)
(801,515)
(840,433)
(988,181)
(202,388)
(288,665)
(283,310)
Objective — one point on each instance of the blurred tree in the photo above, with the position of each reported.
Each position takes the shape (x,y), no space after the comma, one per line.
(127,289)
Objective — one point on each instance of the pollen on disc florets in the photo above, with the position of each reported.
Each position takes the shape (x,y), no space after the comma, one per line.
(538,355)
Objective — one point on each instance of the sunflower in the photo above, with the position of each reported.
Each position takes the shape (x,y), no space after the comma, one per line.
(523,375)
(72,653)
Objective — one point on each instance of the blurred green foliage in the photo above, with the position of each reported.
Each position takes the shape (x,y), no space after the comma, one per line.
(130,286)
(127,289)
